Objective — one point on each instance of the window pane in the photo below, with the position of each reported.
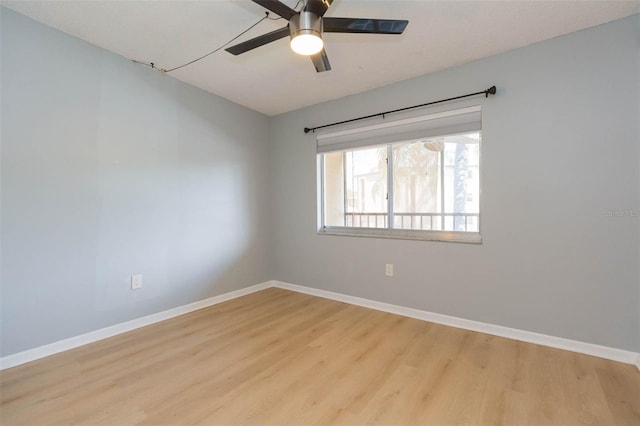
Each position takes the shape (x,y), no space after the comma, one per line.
(416,185)
(366,187)
(334,189)
(435,173)
(356,188)
(461,182)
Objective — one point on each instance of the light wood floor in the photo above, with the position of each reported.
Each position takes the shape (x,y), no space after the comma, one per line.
(278,357)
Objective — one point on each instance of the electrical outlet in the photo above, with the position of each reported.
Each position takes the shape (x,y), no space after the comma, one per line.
(136,281)
(389,270)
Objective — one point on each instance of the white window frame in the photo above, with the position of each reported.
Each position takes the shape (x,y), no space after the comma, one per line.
(389,232)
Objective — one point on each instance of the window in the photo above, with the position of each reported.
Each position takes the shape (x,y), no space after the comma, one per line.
(416,177)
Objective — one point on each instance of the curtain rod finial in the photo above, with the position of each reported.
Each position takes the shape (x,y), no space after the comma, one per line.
(490,91)
(307,130)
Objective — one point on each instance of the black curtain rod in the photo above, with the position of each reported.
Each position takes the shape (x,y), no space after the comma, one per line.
(490,91)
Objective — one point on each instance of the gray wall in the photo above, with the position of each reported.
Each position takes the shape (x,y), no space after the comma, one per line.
(560,147)
(108,169)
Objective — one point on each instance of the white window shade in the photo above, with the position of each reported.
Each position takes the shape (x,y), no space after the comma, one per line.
(402,129)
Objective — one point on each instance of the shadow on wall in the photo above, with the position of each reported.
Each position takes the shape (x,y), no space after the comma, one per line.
(125,171)
(186,238)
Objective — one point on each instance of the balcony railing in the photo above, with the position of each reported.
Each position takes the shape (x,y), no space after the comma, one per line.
(466,222)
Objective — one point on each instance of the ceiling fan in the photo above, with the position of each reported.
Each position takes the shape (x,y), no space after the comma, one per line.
(307,26)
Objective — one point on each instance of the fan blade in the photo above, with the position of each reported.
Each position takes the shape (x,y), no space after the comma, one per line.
(321,61)
(369,26)
(319,7)
(258,41)
(277,7)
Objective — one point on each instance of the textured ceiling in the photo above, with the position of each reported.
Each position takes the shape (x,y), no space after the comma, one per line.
(272,79)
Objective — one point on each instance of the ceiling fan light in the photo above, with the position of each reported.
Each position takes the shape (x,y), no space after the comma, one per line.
(306,33)
(307,44)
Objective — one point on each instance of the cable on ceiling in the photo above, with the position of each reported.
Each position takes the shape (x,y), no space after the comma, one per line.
(155,67)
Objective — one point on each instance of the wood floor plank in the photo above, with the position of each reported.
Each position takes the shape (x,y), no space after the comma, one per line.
(277,357)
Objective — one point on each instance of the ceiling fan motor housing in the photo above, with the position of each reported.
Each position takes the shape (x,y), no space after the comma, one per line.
(305,23)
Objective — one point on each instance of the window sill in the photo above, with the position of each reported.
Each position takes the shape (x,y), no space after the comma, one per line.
(401,234)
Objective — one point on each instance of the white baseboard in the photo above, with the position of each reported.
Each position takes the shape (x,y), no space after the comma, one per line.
(614,354)
(496,330)
(103,333)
